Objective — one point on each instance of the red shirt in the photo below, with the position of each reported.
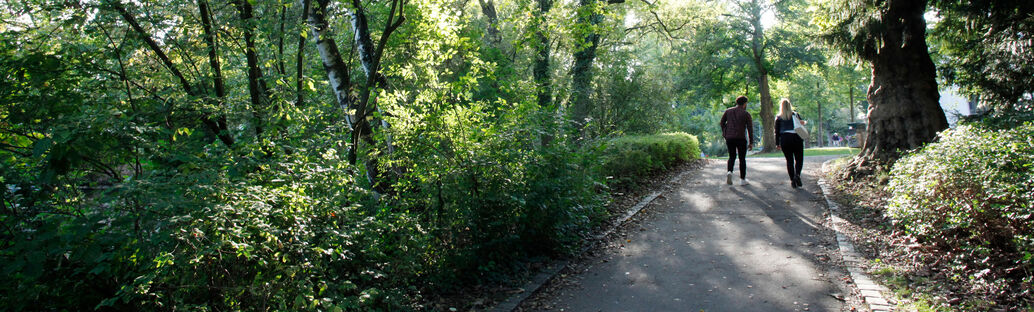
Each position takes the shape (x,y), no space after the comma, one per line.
(736,123)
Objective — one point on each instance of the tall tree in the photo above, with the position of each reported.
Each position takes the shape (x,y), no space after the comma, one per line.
(215,126)
(359,108)
(257,87)
(747,20)
(904,112)
(589,19)
(540,71)
(488,9)
(988,49)
(300,57)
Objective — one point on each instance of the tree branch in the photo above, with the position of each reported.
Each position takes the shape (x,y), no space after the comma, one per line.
(157,50)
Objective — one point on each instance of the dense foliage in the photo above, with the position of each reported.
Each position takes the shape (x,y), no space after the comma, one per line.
(625,159)
(355,155)
(986,48)
(970,196)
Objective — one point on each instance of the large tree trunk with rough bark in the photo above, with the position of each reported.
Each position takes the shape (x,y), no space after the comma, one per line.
(904,112)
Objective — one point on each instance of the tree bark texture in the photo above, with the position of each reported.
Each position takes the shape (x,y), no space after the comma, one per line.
(333,64)
(767,116)
(904,112)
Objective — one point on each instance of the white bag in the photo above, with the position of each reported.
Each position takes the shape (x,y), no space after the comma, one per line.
(799,128)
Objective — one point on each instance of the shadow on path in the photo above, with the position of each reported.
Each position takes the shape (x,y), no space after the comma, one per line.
(710,246)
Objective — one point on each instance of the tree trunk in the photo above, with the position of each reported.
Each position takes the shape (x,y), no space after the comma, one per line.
(904,112)
(766,115)
(543,83)
(213,53)
(488,9)
(256,83)
(281,67)
(370,59)
(581,72)
(820,138)
(337,71)
(300,64)
(213,60)
(213,125)
(758,51)
(850,105)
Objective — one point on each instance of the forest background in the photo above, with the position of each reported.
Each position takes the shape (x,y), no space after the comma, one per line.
(272,155)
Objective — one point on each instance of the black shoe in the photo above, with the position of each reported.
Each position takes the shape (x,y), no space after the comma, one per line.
(793,183)
(797,181)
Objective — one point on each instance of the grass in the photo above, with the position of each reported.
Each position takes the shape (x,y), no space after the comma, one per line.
(818,151)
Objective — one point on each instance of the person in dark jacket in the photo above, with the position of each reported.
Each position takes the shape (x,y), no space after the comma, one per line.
(738,128)
(789,142)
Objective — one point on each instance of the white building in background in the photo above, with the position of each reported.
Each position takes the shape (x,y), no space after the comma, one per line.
(956,105)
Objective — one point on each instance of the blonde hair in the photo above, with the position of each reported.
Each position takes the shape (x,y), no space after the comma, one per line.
(785,109)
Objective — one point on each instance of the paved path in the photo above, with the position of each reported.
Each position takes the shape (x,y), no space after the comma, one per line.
(708,246)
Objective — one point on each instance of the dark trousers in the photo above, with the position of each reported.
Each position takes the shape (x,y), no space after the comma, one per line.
(737,146)
(793,151)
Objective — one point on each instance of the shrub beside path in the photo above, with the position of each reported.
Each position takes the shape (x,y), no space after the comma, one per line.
(708,246)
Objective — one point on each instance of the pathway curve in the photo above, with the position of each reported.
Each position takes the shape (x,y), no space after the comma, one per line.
(708,246)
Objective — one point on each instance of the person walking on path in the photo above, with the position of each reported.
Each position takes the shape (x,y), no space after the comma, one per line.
(738,128)
(790,142)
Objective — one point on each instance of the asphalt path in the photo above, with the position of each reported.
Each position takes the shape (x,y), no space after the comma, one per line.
(707,246)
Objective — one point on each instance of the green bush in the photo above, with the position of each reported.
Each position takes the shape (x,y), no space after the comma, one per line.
(300,236)
(971,195)
(489,197)
(628,158)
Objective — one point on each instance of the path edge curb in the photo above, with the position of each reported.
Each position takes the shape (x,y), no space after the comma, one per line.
(870,291)
(556,267)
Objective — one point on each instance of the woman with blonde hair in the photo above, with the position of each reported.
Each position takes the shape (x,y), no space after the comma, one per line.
(790,142)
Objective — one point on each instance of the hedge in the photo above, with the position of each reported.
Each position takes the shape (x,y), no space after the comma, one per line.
(971,195)
(627,159)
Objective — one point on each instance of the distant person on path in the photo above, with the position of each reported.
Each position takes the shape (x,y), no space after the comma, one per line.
(836,139)
(738,128)
(789,142)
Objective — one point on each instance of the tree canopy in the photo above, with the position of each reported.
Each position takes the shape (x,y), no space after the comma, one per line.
(285,155)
